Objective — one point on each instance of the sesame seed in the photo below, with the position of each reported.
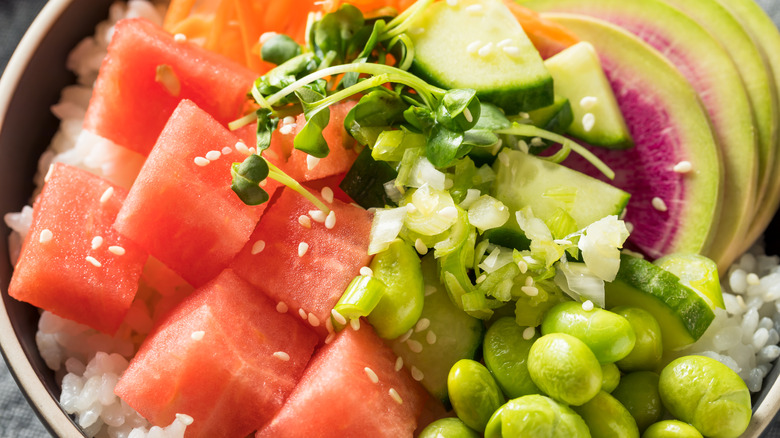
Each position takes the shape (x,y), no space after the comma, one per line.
(281,355)
(330,338)
(529,281)
(588,120)
(286,129)
(629,227)
(93,261)
(486,49)
(422,324)
(659,204)
(302,248)
(227,150)
(116,250)
(417,374)
(289,120)
(267,36)
(481,278)
(327,194)
(414,346)
(263,183)
(241,147)
(46,236)
(588,102)
(537,142)
(311,162)
(523,266)
(213,155)
(329,325)
(252,150)
(366,271)
(473,46)
(317,215)
(330,220)
(48,173)
(430,337)
(184,419)
(511,51)
(505,42)
(420,246)
(529,333)
(355,324)
(202,162)
(305,221)
(430,289)
(258,247)
(467,115)
(106,195)
(371,375)
(313,320)
(683,167)
(449,212)
(97,242)
(399,363)
(394,394)
(474,9)
(587,305)
(405,337)
(752,279)
(281,307)
(198,335)
(338,317)
(180,38)
(302,313)
(530,291)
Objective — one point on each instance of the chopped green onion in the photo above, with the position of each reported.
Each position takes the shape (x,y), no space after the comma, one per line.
(361,297)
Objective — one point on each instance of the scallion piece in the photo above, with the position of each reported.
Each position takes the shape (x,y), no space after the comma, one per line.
(361,297)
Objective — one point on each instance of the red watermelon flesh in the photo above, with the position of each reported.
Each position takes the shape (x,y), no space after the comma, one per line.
(130,103)
(337,397)
(73,263)
(313,282)
(332,183)
(224,356)
(184,213)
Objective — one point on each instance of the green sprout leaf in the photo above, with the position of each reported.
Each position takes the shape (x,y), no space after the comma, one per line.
(335,31)
(458,110)
(247,177)
(444,146)
(280,49)
(265,127)
(377,111)
(310,139)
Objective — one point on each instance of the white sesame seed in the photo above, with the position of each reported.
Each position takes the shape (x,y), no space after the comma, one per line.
(430,289)
(537,142)
(329,325)
(48,173)
(281,355)
(184,419)
(116,250)
(588,102)
(474,9)
(227,150)
(338,317)
(302,313)
(311,162)
(481,278)
(430,337)
(97,242)
(289,120)
(420,246)
(305,221)
(505,42)
(303,247)
(529,281)
(180,38)
(449,212)
(263,183)
(414,346)
(530,291)
(355,324)
(106,195)
(683,167)
(327,194)
(93,261)
(529,333)
(258,247)
(752,279)
(366,271)
(588,120)
(317,215)
(422,324)
(658,204)
(281,307)
(46,236)
(399,363)
(330,338)
(241,147)
(473,46)
(330,220)
(267,36)
(587,305)
(394,394)
(202,162)
(417,374)
(252,150)
(523,266)
(371,375)
(511,51)
(286,129)
(486,49)
(198,335)
(467,115)
(213,155)
(313,320)
(405,337)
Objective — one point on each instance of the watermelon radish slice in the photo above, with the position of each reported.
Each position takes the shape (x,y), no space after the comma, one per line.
(669,126)
(712,74)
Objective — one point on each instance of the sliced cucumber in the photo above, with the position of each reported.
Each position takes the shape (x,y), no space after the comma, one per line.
(578,76)
(503,66)
(557,117)
(524,180)
(446,334)
(698,272)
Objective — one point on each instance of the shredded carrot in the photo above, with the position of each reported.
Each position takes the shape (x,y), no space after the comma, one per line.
(548,37)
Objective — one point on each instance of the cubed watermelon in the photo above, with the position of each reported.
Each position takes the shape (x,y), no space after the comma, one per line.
(73,263)
(351,389)
(225,356)
(145,75)
(306,266)
(181,208)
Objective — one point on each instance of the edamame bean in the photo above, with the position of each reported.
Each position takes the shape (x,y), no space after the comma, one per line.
(448,428)
(535,416)
(606,417)
(564,368)
(607,334)
(648,349)
(610,377)
(707,394)
(638,392)
(505,351)
(671,429)
(474,393)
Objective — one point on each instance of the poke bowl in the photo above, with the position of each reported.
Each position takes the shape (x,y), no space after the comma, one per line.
(35,113)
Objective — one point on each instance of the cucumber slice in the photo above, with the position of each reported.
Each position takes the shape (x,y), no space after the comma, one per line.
(698,272)
(557,117)
(682,313)
(446,334)
(503,66)
(524,180)
(578,76)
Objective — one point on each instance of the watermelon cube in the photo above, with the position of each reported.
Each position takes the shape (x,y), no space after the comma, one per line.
(181,208)
(299,261)
(224,356)
(73,263)
(351,389)
(145,75)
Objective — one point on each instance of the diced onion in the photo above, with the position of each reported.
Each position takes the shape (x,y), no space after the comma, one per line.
(385,227)
(579,282)
(488,212)
(600,246)
(423,172)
